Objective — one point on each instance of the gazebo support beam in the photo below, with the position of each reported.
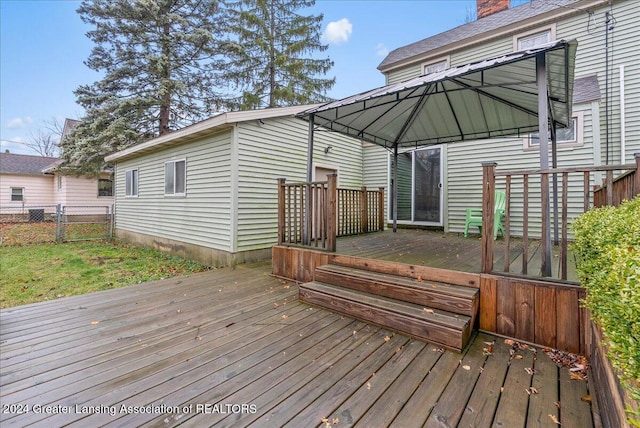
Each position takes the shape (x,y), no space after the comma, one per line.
(543,129)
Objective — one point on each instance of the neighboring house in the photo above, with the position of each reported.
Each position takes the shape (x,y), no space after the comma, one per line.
(31,181)
(209,191)
(23,180)
(437,183)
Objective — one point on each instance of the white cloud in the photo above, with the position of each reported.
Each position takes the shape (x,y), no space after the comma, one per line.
(19,122)
(337,32)
(382,50)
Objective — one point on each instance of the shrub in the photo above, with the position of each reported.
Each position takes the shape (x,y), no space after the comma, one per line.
(607,249)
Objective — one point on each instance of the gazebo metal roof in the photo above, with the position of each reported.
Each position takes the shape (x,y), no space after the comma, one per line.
(486,99)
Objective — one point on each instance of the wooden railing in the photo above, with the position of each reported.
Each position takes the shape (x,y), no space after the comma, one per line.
(314,214)
(360,211)
(614,191)
(557,207)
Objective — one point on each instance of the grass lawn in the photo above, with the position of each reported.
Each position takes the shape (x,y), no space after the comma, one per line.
(35,273)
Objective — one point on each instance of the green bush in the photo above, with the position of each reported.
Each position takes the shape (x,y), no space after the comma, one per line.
(607,249)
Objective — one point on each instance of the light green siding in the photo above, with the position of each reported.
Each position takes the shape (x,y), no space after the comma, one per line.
(463,177)
(276,149)
(202,217)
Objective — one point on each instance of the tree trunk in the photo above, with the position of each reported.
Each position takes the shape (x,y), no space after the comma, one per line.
(165,104)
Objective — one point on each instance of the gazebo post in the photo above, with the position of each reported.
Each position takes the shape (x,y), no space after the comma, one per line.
(395,188)
(307,199)
(543,128)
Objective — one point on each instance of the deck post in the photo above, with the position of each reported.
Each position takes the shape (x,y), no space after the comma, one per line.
(381,207)
(488,203)
(364,210)
(281,210)
(636,184)
(332,196)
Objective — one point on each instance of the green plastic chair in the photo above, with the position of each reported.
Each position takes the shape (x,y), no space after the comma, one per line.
(474,216)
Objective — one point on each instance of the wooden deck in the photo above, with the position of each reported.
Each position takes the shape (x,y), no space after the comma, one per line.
(447,250)
(234,347)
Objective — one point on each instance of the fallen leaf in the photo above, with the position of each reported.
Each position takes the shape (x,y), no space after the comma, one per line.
(336,421)
(387,338)
(284,316)
(427,310)
(95,322)
(509,342)
(531,390)
(529,370)
(466,367)
(586,398)
(554,418)
(577,376)
(368,385)
(518,357)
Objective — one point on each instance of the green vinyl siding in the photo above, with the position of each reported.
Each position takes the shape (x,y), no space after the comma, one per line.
(202,216)
(276,149)
(464,173)
(375,168)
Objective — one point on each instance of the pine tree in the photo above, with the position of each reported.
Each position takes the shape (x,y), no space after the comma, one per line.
(272,62)
(161,61)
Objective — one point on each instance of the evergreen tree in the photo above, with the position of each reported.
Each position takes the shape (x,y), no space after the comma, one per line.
(272,61)
(161,61)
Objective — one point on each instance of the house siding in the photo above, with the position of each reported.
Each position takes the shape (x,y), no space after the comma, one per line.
(37,190)
(202,216)
(463,169)
(79,192)
(276,149)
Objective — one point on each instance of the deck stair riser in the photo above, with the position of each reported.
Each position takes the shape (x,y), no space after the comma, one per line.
(431,294)
(434,311)
(439,327)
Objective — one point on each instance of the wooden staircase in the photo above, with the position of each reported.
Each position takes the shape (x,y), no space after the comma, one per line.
(434,311)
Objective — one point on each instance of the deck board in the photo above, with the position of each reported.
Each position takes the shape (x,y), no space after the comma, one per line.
(446,250)
(240,337)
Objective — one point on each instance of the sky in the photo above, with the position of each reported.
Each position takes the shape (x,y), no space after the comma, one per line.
(43,47)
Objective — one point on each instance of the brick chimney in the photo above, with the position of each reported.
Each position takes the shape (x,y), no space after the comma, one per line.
(489,7)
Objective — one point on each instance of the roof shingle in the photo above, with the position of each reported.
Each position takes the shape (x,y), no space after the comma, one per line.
(472,29)
(11,163)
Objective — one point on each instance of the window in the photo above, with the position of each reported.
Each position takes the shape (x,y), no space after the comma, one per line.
(17,194)
(175,178)
(59,179)
(131,182)
(533,39)
(435,67)
(565,136)
(105,187)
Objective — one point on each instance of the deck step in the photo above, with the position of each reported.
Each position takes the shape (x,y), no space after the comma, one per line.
(431,294)
(433,325)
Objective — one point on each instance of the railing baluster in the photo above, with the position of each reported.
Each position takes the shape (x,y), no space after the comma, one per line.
(507,214)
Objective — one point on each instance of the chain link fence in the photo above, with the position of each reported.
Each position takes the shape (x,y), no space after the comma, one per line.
(41,224)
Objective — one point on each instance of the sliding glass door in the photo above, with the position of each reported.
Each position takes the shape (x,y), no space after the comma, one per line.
(419,186)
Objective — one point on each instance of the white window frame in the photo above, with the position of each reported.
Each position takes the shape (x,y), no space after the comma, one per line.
(171,166)
(131,183)
(445,59)
(578,119)
(551,29)
(11,195)
(59,181)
